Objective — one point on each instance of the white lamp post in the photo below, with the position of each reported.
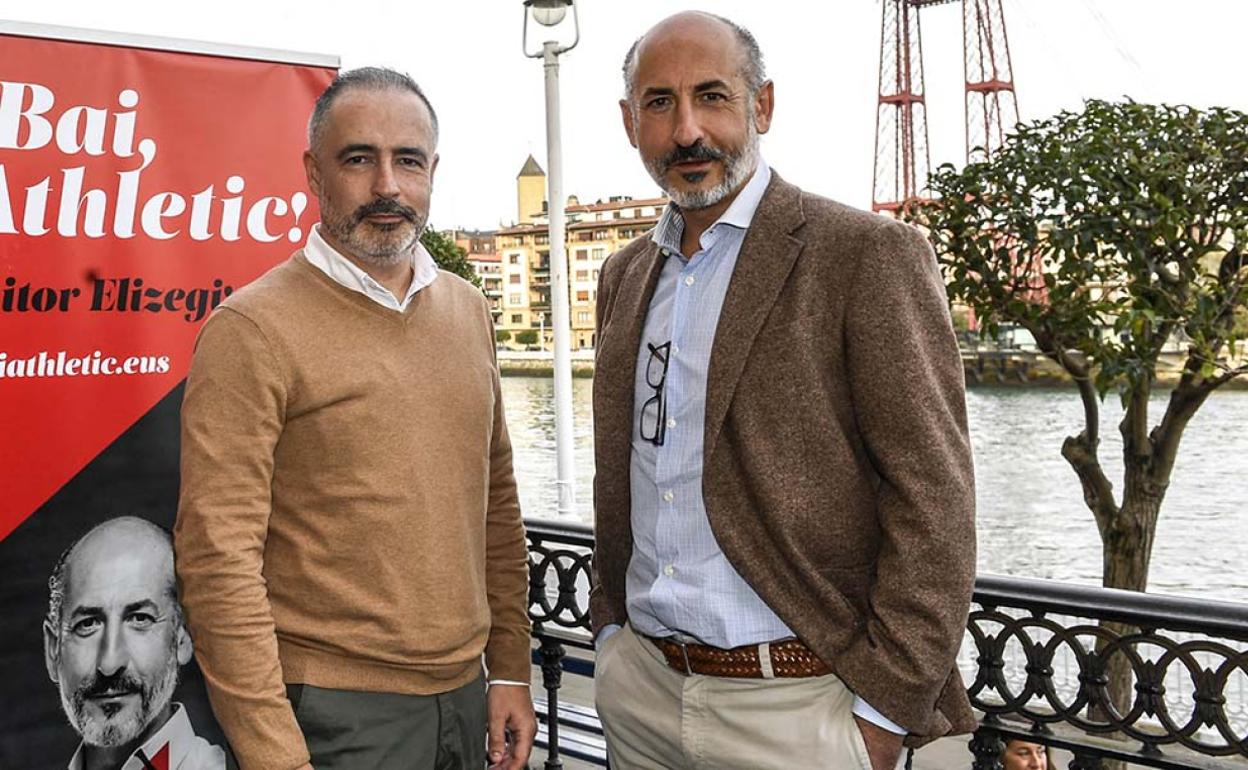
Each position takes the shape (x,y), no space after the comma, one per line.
(549,14)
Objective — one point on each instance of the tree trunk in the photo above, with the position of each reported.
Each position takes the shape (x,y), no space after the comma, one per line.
(1126,549)
(1127,546)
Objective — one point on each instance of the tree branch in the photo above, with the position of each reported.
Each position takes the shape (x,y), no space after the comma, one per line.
(1081,450)
(1098,492)
(1135,423)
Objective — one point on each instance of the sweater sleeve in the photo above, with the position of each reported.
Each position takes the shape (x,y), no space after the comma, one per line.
(507,654)
(908,395)
(233,413)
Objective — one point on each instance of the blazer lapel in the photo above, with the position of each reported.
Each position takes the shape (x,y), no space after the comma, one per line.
(763,265)
(616,373)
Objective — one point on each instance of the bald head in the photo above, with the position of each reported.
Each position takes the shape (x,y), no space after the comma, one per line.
(128,542)
(704,29)
(114,638)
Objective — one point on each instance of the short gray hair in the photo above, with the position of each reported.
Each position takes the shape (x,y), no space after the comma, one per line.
(753,72)
(369,78)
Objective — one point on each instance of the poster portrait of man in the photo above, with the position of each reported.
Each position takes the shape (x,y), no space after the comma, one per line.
(114,642)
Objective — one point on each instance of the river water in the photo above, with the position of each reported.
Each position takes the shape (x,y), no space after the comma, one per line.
(1032,521)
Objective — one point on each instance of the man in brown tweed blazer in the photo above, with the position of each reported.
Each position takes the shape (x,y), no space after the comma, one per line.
(784,497)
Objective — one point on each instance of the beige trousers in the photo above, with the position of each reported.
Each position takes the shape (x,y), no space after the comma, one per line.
(656,718)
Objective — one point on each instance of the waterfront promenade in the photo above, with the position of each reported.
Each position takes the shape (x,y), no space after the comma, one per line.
(1032,523)
(1035,661)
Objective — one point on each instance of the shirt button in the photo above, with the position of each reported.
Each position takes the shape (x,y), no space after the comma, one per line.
(671,422)
(669,570)
(668,496)
(689,280)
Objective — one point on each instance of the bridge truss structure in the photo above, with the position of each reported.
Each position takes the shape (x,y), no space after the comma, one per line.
(902,158)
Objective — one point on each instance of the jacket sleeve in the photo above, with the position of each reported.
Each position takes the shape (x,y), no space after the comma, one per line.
(233,413)
(908,396)
(507,653)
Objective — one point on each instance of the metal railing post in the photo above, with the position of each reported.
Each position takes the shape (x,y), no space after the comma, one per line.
(552,653)
(986,746)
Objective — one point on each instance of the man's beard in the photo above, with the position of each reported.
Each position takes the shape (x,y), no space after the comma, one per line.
(737,169)
(381,245)
(116,729)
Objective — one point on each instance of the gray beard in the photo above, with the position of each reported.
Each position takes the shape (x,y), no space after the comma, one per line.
(362,249)
(737,169)
(377,251)
(110,733)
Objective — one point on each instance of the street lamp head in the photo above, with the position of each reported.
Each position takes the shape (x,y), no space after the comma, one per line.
(550,14)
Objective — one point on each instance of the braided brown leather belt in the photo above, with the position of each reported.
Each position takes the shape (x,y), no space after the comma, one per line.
(789,658)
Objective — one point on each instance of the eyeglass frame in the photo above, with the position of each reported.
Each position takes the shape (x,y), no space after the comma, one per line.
(663,354)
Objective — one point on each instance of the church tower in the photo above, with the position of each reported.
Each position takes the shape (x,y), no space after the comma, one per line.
(530,193)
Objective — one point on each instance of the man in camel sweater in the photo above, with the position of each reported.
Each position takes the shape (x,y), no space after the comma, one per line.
(349,542)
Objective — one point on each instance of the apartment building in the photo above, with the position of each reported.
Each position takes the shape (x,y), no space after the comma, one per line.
(594,231)
(483,256)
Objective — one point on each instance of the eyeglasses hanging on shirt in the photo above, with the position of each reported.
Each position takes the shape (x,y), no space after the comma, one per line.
(653,426)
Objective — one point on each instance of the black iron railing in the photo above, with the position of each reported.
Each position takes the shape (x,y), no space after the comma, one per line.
(1037,659)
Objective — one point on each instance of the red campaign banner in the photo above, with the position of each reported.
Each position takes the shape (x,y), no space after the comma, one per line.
(138,188)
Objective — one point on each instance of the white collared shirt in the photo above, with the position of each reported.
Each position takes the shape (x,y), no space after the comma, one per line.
(182,748)
(343,271)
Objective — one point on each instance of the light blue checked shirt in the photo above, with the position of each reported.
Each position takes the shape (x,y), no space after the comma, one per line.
(679,582)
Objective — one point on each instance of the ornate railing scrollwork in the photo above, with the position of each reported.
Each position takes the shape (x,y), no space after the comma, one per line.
(1199,646)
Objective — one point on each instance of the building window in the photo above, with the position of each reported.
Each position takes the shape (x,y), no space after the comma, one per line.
(602,235)
(595,275)
(582,317)
(582,253)
(541,240)
(515,259)
(582,275)
(582,296)
(517,318)
(515,278)
(600,253)
(515,299)
(584,235)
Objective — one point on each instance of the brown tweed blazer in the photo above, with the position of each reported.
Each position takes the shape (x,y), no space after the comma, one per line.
(837,477)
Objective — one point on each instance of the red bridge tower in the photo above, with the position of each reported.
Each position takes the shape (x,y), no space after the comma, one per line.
(902,160)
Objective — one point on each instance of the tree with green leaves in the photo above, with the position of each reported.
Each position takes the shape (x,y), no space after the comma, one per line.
(449,256)
(1109,235)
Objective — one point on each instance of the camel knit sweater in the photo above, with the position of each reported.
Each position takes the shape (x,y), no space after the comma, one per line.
(348,516)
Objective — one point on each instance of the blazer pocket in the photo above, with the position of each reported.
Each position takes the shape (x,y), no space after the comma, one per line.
(853,584)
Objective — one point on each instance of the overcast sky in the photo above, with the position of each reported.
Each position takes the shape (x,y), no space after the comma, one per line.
(823,57)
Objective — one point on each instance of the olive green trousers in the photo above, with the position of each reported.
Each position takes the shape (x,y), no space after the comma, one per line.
(350,730)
